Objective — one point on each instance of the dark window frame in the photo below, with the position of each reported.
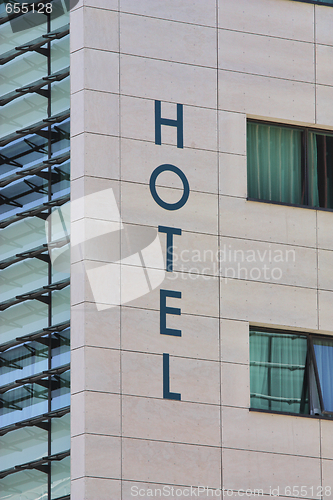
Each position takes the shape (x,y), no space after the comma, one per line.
(305,130)
(327,415)
(315,2)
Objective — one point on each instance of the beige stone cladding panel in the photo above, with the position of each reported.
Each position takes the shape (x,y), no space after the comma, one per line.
(95,220)
(96,413)
(323,99)
(141,332)
(95,369)
(171,463)
(94,69)
(138,122)
(283,19)
(197,380)
(258,470)
(325,310)
(324,71)
(327,472)
(267,222)
(268,97)
(95,155)
(140,158)
(191,287)
(99,284)
(96,456)
(234,341)
(90,488)
(235,387)
(326,440)
(95,112)
(324,19)
(268,262)
(266,56)
(195,12)
(167,40)
(233,175)
(199,214)
(173,421)
(94,327)
(325,270)
(269,304)
(324,75)
(168,81)
(96,240)
(257,431)
(95,198)
(324,228)
(232,132)
(84,33)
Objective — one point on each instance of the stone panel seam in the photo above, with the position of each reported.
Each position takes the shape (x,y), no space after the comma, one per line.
(170,442)
(219,234)
(268,76)
(311,457)
(273,242)
(315,60)
(149,439)
(185,104)
(298,40)
(165,19)
(172,61)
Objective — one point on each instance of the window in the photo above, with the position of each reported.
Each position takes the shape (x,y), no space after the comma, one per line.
(291,165)
(320,2)
(291,373)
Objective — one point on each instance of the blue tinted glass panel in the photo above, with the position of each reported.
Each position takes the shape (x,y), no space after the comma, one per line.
(324,358)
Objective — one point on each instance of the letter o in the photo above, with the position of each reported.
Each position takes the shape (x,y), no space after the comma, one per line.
(280,273)
(251,273)
(183,178)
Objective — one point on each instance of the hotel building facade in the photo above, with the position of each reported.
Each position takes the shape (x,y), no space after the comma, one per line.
(166,249)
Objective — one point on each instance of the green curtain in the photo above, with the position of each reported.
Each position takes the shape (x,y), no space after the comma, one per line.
(274,163)
(277,372)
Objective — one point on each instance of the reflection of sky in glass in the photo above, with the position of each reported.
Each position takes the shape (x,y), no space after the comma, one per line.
(324,357)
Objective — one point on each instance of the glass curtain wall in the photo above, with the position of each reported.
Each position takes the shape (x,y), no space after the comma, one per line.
(34,291)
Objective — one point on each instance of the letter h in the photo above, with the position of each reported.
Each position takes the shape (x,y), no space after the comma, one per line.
(159,121)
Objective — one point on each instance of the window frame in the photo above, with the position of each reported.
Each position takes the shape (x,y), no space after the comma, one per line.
(304,170)
(327,415)
(315,2)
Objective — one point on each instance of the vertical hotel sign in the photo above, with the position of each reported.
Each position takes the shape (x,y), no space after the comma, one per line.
(170,233)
